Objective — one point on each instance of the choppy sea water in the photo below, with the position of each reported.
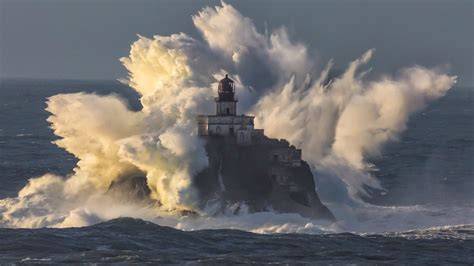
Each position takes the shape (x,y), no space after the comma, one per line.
(431,167)
(136,241)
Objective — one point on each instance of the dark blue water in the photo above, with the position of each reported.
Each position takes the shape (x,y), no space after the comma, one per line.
(136,241)
(432,164)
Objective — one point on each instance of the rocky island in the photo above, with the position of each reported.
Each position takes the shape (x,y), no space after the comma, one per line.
(247,167)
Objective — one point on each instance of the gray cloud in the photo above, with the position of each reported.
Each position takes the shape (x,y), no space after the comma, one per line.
(85,39)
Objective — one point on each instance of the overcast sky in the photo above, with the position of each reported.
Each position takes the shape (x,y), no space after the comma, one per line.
(72,39)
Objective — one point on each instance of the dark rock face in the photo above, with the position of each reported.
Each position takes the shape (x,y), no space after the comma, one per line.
(265,175)
(130,189)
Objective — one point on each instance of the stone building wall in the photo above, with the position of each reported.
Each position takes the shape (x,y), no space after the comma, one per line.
(215,125)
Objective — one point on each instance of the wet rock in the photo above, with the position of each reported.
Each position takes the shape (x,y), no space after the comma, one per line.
(257,176)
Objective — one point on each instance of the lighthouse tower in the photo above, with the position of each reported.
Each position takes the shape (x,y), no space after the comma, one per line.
(226,103)
(226,122)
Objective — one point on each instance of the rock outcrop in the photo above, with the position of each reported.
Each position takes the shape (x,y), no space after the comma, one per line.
(266,175)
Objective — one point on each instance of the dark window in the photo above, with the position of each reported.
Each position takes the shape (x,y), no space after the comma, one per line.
(228,111)
(275,158)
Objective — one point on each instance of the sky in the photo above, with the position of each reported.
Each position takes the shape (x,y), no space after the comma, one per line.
(72,39)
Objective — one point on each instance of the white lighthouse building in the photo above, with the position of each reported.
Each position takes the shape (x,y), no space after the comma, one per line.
(226,122)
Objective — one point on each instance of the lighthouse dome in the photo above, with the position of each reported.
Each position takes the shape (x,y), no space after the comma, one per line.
(226,85)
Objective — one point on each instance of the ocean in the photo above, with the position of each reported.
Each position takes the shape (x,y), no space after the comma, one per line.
(430,169)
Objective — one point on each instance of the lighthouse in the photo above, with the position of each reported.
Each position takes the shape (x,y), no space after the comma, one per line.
(226,122)
(226,103)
